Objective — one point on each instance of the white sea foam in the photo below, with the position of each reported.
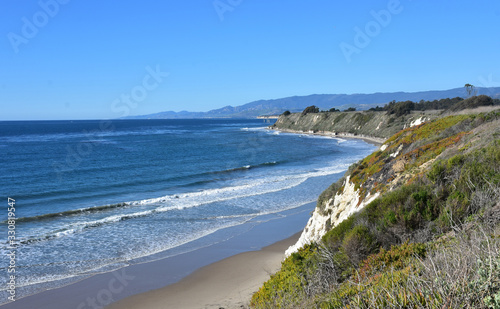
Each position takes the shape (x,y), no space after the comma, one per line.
(254,129)
(340,140)
(90,137)
(255,187)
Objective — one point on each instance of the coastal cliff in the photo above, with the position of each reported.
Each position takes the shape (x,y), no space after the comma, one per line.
(433,175)
(377,173)
(376,126)
(352,124)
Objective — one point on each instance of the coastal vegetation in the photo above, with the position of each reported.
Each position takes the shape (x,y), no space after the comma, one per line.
(455,104)
(429,237)
(310,109)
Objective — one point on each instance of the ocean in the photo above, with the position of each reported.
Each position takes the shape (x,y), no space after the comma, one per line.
(94,196)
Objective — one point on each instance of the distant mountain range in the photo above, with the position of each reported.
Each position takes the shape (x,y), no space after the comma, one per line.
(323,101)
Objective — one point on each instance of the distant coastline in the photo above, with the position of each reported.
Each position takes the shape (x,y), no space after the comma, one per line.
(377,141)
(294,104)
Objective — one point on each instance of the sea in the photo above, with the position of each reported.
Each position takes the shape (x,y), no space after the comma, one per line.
(94,196)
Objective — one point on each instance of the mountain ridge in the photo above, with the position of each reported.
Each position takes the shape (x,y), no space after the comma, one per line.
(359,101)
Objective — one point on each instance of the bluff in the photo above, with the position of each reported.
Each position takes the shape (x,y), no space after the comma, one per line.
(412,225)
(333,209)
(354,124)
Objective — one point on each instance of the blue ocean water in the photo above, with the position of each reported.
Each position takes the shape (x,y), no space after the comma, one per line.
(93,196)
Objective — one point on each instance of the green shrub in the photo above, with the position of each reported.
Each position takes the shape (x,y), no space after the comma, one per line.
(337,234)
(488,282)
(310,109)
(285,288)
(358,243)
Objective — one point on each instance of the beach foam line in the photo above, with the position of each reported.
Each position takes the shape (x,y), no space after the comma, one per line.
(96,137)
(175,202)
(246,167)
(254,129)
(120,262)
(84,211)
(269,185)
(76,227)
(71,212)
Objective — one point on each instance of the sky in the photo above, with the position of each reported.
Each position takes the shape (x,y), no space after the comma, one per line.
(74,59)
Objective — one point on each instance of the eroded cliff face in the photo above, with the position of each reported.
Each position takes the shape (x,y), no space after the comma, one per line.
(335,210)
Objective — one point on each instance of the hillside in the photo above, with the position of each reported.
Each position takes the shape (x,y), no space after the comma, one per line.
(323,101)
(355,124)
(414,225)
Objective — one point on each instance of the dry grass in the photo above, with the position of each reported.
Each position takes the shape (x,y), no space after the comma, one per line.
(462,271)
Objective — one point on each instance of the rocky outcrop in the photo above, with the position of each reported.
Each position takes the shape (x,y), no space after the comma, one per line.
(335,210)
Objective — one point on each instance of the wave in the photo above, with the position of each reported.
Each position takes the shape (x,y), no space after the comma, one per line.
(257,187)
(177,202)
(254,129)
(247,167)
(81,211)
(72,193)
(116,263)
(80,226)
(102,265)
(90,137)
(88,210)
(84,211)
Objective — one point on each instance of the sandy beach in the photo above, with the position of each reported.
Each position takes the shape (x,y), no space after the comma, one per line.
(227,284)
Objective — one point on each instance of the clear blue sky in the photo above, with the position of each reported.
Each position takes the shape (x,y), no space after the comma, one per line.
(75,60)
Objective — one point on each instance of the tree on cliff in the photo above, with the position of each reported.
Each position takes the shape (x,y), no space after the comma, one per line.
(310,109)
(471,90)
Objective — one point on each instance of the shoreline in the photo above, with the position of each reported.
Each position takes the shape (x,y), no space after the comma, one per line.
(377,141)
(106,289)
(221,275)
(229,283)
